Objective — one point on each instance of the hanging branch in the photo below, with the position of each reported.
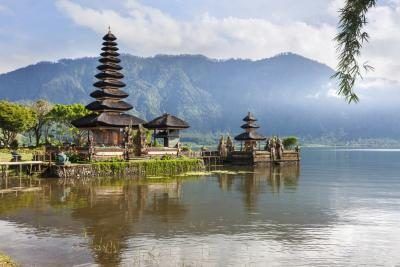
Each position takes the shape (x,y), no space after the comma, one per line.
(349,43)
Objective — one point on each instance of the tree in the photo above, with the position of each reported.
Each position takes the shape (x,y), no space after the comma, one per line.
(14,119)
(63,115)
(42,109)
(290,142)
(350,40)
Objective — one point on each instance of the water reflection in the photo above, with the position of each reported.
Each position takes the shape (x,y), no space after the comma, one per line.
(107,213)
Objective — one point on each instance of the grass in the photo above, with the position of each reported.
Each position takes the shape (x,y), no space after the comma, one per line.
(26,153)
(6,156)
(6,261)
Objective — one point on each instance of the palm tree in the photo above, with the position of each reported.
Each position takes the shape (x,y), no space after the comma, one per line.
(350,40)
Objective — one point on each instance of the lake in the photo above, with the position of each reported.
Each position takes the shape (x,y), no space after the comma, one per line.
(339,207)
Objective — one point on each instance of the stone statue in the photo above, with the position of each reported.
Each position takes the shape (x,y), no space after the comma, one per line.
(62,159)
(90,147)
(279,148)
(222,147)
(272,145)
(229,145)
(268,145)
(142,139)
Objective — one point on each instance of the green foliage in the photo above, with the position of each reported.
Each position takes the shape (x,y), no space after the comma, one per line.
(41,108)
(14,119)
(156,143)
(62,116)
(350,40)
(66,113)
(166,157)
(290,142)
(150,167)
(186,148)
(75,158)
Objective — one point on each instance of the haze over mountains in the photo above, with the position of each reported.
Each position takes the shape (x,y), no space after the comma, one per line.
(289,94)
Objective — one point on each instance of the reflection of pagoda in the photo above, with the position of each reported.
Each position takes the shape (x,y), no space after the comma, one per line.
(108,119)
(250,137)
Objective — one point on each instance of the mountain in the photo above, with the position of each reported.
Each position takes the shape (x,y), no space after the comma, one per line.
(288,93)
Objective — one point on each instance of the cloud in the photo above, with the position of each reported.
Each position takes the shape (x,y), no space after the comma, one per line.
(5,10)
(147,31)
(382,51)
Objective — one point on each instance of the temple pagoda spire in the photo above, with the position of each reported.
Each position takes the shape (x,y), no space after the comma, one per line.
(250,136)
(109,106)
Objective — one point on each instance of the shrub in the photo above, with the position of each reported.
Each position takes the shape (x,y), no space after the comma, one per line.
(75,158)
(290,142)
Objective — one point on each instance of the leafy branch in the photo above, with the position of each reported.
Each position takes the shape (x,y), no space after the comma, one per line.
(350,40)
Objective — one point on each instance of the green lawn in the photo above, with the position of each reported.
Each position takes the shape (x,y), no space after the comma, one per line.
(6,155)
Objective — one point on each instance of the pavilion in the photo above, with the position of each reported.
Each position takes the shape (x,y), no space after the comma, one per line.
(167,127)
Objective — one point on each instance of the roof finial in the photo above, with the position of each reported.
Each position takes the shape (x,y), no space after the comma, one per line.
(109,29)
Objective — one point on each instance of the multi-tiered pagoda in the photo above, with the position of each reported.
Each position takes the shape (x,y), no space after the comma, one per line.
(250,137)
(108,119)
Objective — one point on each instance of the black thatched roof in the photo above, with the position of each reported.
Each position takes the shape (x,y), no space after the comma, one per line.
(109,54)
(250,125)
(109,43)
(108,83)
(107,104)
(109,92)
(109,67)
(110,48)
(167,121)
(109,37)
(250,136)
(109,75)
(109,59)
(249,117)
(107,120)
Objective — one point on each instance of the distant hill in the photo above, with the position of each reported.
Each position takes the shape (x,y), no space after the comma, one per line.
(288,93)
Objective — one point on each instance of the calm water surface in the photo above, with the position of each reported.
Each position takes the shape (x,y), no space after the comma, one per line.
(339,208)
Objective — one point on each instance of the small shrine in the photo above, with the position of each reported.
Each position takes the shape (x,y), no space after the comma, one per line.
(250,137)
(167,128)
(106,125)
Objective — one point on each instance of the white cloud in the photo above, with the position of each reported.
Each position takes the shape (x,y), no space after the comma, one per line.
(382,51)
(148,31)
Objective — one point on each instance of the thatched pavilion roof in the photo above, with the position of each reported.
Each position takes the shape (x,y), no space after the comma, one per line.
(167,121)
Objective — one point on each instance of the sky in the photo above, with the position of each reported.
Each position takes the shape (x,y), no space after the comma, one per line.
(48,30)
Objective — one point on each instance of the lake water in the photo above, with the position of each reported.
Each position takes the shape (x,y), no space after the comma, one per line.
(340,207)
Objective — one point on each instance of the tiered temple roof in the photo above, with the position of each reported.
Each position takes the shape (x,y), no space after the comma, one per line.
(109,107)
(250,134)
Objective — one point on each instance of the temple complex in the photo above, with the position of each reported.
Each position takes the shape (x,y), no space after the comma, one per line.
(107,122)
(251,151)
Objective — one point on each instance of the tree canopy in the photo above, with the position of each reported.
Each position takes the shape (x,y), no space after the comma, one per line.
(350,40)
(14,119)
(41,109)
(62,115)
(67,113)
